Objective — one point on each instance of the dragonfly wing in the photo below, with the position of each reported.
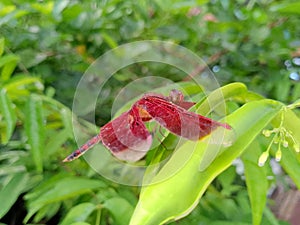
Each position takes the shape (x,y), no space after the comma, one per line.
(177,98)
(126,136)
(185,105)
(177,119)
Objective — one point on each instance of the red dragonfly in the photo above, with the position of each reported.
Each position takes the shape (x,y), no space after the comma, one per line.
(127,136)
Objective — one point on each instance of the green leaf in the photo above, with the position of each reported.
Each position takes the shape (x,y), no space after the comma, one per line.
(35,130)
(15,14)
(78,213)
(287,7)
(227,179)
(58,8)
(176,196)
(272,218)
(8,69)
(59,189)
(66,188)
(226,207)
(80,223)
(7,59)
(56,141)
(222,222)
(16,86)
(216,102)
(120,209)
(66,116)
(44,8)
(48,211)
(2,44)
(291,165)
(10,192)
(295,95)
(11,169)
(109,40)
(234,91)
(10,118)
(8,64)
(256,180)
(290,159)
(31,58)
(45,186)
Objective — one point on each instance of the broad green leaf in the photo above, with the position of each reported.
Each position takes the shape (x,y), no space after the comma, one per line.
(220,137)
(176,196)
(10,192)
(10,118)
(219,96)
(216,101)
(256,180)
(120,209)
(78,213)
(234,91)
(35,130)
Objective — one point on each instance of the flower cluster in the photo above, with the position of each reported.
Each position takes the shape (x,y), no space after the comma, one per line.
(281,137)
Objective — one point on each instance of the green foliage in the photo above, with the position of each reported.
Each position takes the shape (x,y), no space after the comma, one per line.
(35,129)
(11,191)
(252,42)
(190,183)
(47,45)
(36,133)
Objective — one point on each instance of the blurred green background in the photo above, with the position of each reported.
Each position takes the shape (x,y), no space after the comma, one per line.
(45,48)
